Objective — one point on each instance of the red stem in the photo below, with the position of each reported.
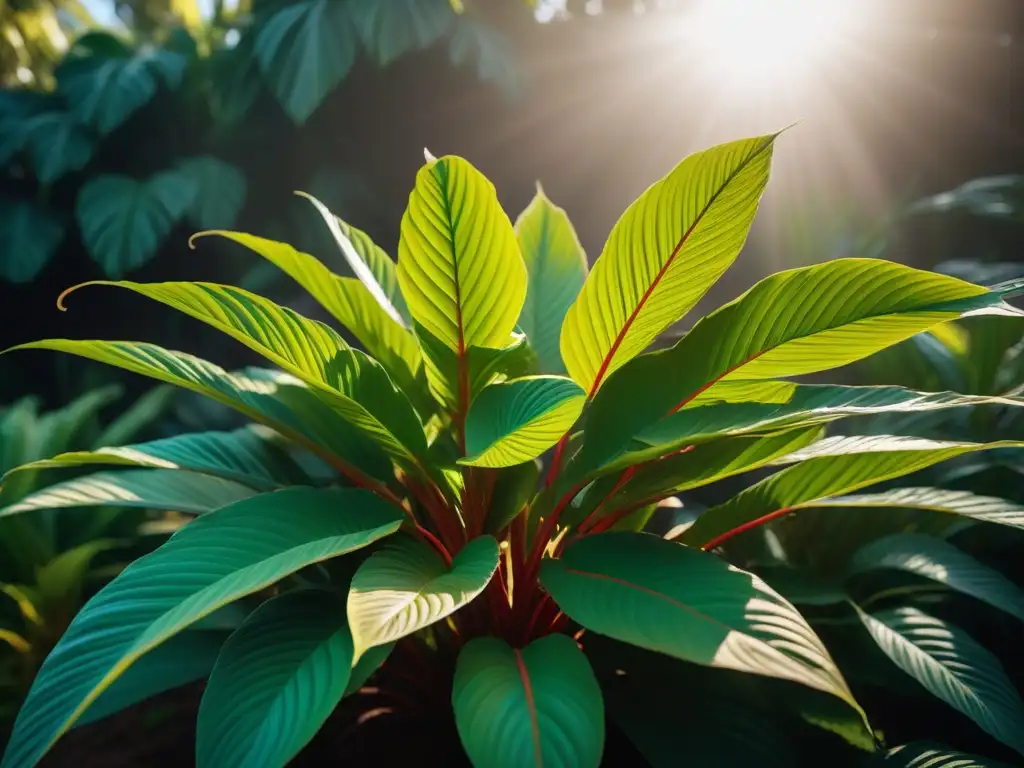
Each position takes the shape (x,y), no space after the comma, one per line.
(623,479)
(544,534)
(719,540)
(535,617)
(435,543)
(556,460)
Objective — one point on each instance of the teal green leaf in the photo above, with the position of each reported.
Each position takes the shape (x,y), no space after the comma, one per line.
(124,221)
(667,249)
(247,456)
(164,489)
(925,755)
(658,595)
(459,266)
(539,706)
(405,587)
(372,660)
(953,667)
(517,421)
(557,267)
(278,677)
(349,301)
(390,29)
(988,509)
(796,322)
(207,564)
(220,191)
(278,400)
(513,489)
(348,380)
(830,467)
(57,145)
(32,234)
(186,657)
(304,50)
(935,559)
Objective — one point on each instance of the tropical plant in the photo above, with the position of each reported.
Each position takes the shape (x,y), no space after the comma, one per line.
(424,519)
(47,561)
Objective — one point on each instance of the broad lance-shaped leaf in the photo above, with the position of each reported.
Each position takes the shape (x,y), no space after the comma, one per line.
(348,300)
(986,509)
(653,593)
(209,563)
(278,677)
(795,322)
(940,561)
(537,707)
(953,667)
(517,421)
(557,267)
(663,254)
(406,587)
(348,380)
(163,489)
(247,456)
(925,755)
(830,467)
(275,399)
(784,405)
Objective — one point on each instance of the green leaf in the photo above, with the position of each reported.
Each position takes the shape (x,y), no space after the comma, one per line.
(304,51)
(32,234)
(351,304)
(405,587)
(796,322)
(138,417)
(207,564)
(220,191)
(557,268)
(164,489)
(459,266)
(667,249)
(372,660)
(988,509)
(830,467)
(925,755)
(124,221)
(536,706)
(61,578)
(247,456)
(57,145)
(390,29)
(513,488)
(276,399)
(517,421)
(658,595)
(940,561)
(348,380)
(952,667)
(478,45)
(278,677)
(186,657)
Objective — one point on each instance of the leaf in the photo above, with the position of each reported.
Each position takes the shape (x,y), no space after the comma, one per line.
(830,467)
(952,667)
(186,657)
(278,677)
(245,456)
(557,268)
(368,663)
(304,51)
(924,755)
(104,90)
(124,221)
(346,379)
(57,145)
(390,29)
(940,561)
(459,266)
(655,594)
(536,706)
(796,322)
(164,489)
(406,587)
(254,543)
(986,509)
(517,421)
(32,235)
(667,249)
(480,46)
(349,302)
(513,489)
(276,399)
(61,578)
(138,417)
(220,191)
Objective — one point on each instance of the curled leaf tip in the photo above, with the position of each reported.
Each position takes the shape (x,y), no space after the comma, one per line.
(197,235)
(64,294)
(429,156)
